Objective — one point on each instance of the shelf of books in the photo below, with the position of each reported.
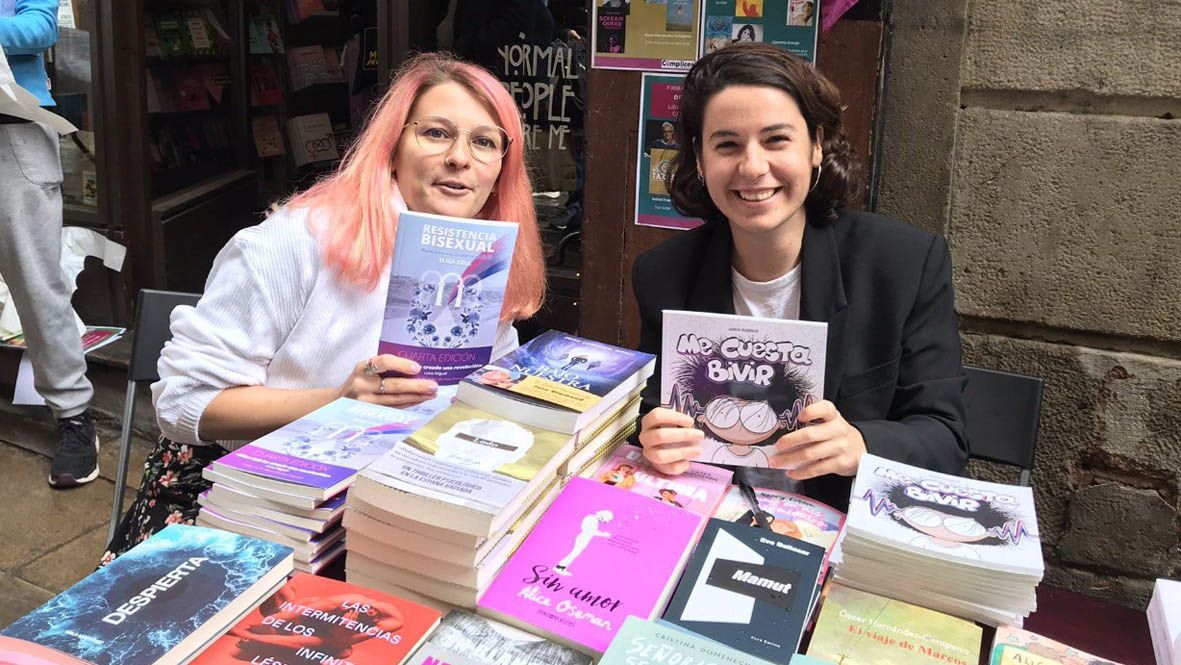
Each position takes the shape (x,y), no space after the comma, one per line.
(301,101)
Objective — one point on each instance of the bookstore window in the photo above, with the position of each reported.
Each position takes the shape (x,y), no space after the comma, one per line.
(538,51)
(71,83)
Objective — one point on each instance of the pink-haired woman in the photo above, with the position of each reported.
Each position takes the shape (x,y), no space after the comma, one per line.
(293,307)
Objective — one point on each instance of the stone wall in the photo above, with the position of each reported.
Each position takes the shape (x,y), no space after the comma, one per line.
(1041,137)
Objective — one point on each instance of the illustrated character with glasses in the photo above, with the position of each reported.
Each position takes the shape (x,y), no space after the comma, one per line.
(292,309)
(767,166)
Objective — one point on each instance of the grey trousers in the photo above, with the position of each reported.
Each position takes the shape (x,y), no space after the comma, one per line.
(30,258)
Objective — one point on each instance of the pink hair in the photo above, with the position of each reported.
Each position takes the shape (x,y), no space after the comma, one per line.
(358,239)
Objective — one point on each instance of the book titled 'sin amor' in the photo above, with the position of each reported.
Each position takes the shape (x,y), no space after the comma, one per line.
(598,555)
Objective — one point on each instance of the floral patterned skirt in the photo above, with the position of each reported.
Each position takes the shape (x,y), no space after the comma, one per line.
(168,494)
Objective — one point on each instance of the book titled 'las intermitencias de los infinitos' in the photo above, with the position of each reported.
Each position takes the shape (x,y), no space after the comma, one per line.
(317,620)
(446,292)
(743,380)
(162,601)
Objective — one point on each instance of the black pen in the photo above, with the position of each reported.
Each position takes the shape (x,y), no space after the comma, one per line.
(752,501)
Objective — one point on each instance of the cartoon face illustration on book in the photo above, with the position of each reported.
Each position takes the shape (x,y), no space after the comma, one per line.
(484,444)
(328,443)
(738,421)
(588,531)
(445,310)
(946,521)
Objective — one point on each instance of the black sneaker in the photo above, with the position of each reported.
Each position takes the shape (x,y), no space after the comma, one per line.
(76,460)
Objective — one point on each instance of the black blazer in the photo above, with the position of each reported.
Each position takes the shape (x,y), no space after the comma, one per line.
(893,358)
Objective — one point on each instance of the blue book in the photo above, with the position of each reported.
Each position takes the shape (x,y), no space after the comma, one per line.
(640,641)
(446,292)
(750,589)
(162,601)
(557,381)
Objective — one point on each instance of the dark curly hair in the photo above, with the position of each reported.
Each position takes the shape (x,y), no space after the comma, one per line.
(818,99)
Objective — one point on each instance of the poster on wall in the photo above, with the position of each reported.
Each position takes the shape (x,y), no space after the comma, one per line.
(652,35)
(792,25)
(657,148)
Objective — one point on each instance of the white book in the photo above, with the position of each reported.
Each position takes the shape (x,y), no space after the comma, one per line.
(743,379)
(969,522)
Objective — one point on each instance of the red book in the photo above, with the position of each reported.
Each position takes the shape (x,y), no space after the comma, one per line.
(317,620)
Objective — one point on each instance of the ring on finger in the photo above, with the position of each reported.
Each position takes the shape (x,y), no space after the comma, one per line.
(381,386)
(371,367)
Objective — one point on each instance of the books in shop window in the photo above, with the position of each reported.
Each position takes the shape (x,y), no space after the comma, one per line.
(318,620)
(265,89)
(750,589)
(162,601)
(312,139)
(268,139)
(595,557)
(467,639)
(312,65)
(744,380)
(859,627)
(557,381)
(446,291)
(264,35)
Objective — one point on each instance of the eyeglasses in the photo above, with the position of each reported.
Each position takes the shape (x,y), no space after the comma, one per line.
(435,135)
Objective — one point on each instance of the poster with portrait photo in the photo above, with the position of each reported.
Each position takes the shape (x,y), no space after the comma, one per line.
(792,25)
(746,32)
(645,36)
(656,151)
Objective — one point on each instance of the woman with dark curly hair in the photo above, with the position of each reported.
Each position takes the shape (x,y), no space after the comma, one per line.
(772,174)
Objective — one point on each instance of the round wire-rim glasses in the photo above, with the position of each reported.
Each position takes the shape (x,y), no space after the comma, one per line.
(435,135)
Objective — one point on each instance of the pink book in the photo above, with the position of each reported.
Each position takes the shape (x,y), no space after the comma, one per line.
(699,490)
(597,556)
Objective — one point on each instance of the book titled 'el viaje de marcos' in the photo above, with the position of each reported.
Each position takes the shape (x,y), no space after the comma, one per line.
(446,291)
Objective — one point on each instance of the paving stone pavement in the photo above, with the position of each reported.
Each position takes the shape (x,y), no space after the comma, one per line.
(50,539)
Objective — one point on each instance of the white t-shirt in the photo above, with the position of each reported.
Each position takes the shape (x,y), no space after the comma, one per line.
(776,299)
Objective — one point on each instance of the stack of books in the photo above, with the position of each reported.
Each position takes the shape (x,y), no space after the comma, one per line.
(439,514)
(162,601)
(597,556)
(1164,621)
(957,545)
(289,486)
(857,627)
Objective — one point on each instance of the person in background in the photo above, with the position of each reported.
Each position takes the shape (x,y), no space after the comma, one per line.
(30,246)
(772,174)
(293,307)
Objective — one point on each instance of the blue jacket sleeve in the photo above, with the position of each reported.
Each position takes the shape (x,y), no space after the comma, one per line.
(32,30)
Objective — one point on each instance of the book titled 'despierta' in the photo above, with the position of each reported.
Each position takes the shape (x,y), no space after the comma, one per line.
(161,601)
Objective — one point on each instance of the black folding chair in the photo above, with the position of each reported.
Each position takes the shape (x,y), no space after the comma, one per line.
(151,331)
(1003,411)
